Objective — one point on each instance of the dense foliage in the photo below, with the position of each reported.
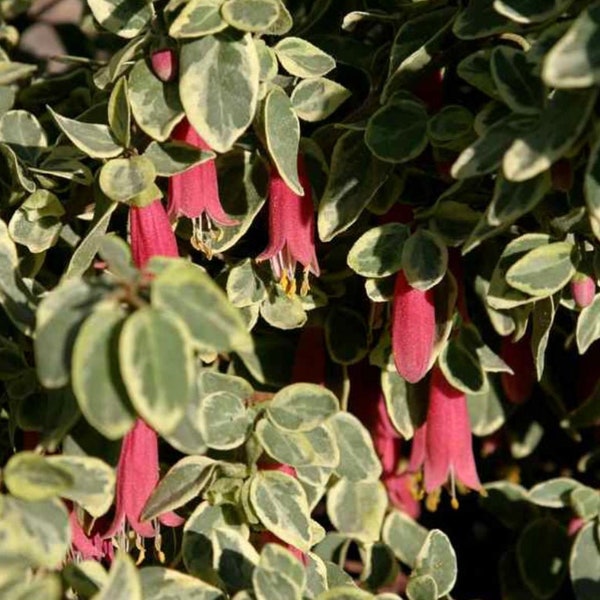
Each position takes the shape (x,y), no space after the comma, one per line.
(299,301)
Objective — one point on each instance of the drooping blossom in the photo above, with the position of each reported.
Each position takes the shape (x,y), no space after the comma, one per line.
(413,329)
(88,545)
(138,469)
(195,193)
(164,64)
(137,477)
(291,230)
(442,446)
(518,356)
(583,289)
(151,233)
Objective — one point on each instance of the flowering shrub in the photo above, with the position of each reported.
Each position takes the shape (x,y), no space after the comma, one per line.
(299,301)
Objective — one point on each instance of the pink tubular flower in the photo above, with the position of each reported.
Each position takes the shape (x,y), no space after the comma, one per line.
(195,192)
(518,356)
(413,329)
(88,545)
(151,233)
(442,445)
(291,230)
(137,476)
(164,64)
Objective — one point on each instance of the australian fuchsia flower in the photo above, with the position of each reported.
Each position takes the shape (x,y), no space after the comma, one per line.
(413,329)
(291,230)
(518,356)
(442,446)
(164,64)
(90,545)
(151,233)
(195,192)
(583,289)
(137,476)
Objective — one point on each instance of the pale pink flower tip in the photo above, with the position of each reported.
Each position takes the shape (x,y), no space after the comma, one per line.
(164,64)
(583,289)
(443,444)
(151,233)
(291,230)
(413,329)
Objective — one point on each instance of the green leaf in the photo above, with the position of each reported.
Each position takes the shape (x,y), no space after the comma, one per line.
(531,11)
(87,248)
(403,403)
(500,295)
(452,122)
(282,131)
(157,367)
(92,139)
(188,292)
(93,482)
(283,311)
(358,460)
(345,592)
(424,259)
(585,502)
(224,420)
(543,271)
(119,112)
(462,368)
(346,335)
(553,493)
(267,59)
(438,560)
(300,58)
(404,536)
(422,587)
(509,503)
(486,412)
(250,15)
(378,252)
(588,325)
(182,482)
(123,581)
(39,530)
(159,583)
(542,556)
(284,21)
(272,582)
(485,155)
(276,558)
(584,564)
(479,19)
(244,286)
(317,98)
(574,61)
(126,18)
(30,476)
(116,253)
(121,179)
(346,502)
(302,407)
(198,18)
(281,506)
(516,82)
(544,312)
(155,105)
(316,447)
(21,131)
(476,70)
(397,132)
(512,200)
(592,184)
(234,558)
(219,87)
(59,317)
(560,124)
(11,71)
(346,195)
(170,158)
(197,547)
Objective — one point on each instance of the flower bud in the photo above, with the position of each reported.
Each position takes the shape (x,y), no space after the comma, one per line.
(164,64)
(413,329)
(583,289)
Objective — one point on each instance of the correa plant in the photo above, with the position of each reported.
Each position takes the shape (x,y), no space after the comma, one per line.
(299,301)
